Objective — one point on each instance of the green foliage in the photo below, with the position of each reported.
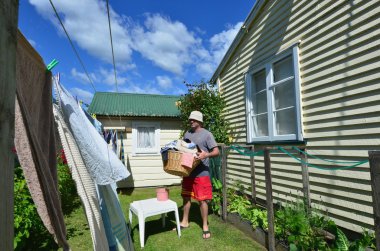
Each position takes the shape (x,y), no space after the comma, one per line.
(217,196)
(301,230)
(258,217)
(66,186)
(343,244)
(238,204)
(29,231)
(205,98)
(28,227)
(367,240)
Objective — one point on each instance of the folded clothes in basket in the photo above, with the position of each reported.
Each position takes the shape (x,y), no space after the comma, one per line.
(183,147)
(169,146)
(187,160)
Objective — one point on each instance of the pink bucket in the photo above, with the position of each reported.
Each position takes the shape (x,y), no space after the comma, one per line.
(162,194)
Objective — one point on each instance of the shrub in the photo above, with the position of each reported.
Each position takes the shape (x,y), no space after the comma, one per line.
(29,230)
(204,97)
(66,185)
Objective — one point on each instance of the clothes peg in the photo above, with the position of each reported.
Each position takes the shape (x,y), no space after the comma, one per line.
(52,64)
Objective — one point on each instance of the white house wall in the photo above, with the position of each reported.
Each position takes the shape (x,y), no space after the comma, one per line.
(146,170)
(340,91)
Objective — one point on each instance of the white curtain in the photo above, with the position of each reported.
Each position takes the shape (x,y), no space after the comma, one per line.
(146,137)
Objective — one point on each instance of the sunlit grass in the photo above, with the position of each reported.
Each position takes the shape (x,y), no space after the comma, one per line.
(224,236)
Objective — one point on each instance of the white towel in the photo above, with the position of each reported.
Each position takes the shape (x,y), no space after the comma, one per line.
(84,184)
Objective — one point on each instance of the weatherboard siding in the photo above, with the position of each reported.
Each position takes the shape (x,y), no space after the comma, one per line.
(340,91)
(146,170)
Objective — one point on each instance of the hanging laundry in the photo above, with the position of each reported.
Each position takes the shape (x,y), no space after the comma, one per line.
(86,187)
(96,123)
(109,137)
(35,138)
(114,142)
(116,230)
(101,162)
(122,149)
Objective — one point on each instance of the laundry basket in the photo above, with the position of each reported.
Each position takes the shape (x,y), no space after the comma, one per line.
(173,165)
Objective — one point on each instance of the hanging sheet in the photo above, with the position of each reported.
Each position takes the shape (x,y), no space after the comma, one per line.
(101,162)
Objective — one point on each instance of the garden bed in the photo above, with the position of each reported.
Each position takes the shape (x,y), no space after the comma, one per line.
(258,234)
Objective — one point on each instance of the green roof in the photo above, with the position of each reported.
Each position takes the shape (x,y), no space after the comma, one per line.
(132,105)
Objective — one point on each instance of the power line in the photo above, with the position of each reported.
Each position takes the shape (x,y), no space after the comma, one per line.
(72,46)
(113,55)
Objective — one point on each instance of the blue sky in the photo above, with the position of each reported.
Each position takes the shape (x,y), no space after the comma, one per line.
(158,44)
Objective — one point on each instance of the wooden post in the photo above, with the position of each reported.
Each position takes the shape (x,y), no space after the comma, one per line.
(305,180)
(224,182)
(268,185)
(8,43)
(374,167)
(253,176)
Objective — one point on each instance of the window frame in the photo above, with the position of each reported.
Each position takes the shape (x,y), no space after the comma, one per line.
(145,151)
(268,67)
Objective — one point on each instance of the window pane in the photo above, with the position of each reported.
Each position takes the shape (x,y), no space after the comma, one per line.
(259,81)
(285,121)
(284,95)
(260,103)
(145,137)
(283,69)
(260,125)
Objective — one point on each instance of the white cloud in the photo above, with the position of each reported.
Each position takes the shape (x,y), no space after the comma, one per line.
(81,94)
(143,89)
(108,77)
(32,43)
(221,42)
(168,44)
(164,82)
(87,24)
(82,77)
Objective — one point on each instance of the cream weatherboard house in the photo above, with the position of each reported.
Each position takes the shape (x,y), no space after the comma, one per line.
(307,73)
(146,122)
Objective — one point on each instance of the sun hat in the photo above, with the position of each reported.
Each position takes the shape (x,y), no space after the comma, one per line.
(196,115)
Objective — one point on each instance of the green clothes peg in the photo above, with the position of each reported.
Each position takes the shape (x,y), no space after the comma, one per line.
(52,64)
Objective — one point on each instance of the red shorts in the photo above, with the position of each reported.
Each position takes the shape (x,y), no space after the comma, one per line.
(198,188)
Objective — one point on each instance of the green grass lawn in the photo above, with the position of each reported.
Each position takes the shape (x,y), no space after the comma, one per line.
(224,236)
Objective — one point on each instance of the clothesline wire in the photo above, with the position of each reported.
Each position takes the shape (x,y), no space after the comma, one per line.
(113,55)
(72,45)
(241,150)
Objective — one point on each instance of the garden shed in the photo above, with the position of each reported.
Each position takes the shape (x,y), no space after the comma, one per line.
(307,73)
(144,123)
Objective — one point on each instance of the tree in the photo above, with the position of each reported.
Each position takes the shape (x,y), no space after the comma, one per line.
(204,97)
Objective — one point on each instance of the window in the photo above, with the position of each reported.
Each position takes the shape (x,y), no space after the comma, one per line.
(273,100)
(145,138)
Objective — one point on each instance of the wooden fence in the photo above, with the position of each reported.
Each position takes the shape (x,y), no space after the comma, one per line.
(374,161)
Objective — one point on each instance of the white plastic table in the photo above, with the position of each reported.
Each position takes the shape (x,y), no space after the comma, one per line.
(150,207)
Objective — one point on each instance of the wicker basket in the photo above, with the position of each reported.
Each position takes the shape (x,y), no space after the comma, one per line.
(173,164)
